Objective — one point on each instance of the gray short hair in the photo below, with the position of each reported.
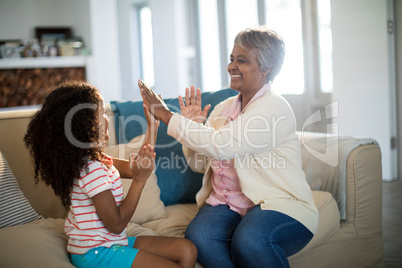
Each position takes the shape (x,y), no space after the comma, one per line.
(270,46)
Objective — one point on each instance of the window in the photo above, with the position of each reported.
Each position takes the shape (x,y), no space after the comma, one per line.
(239,15)
(209,46)
(225,18)
(284,17)
(147,56)
(325,45)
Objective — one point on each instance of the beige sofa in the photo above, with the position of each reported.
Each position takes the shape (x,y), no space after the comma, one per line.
(355,241)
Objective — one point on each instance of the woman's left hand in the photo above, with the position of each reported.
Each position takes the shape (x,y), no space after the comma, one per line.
(156,106)
(191,108)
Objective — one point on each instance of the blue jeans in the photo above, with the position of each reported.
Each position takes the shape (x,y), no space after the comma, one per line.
(262,238)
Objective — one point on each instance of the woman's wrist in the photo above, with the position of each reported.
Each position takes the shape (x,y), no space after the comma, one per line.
(165,117)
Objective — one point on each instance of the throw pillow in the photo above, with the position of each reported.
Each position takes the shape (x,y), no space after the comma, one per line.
(150,207)
(177,182)
(15,209)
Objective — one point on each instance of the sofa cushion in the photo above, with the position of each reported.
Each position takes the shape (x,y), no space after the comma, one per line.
(178,218)
(329,218)
(15,209)
(178,183)
(150,207)
(43,243)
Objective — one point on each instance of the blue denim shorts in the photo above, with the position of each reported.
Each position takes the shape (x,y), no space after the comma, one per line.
(115,256)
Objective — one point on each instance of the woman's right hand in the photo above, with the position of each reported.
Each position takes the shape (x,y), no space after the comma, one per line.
(142,164)
(156,106)
(191,108)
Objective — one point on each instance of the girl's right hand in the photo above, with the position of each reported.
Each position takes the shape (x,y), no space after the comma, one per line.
(142,164)
(152,127)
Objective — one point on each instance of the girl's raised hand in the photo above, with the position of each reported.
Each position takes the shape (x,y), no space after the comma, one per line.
(191,108)
(142,164)
(152,126)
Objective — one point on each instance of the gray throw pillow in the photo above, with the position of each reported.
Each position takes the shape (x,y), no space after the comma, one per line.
(15,209)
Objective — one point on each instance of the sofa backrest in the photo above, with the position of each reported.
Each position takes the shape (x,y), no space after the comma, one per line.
(13,126)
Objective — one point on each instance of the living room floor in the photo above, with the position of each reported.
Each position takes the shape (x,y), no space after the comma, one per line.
(392,223)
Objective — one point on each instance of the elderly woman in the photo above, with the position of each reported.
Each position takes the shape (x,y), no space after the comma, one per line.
(255,206)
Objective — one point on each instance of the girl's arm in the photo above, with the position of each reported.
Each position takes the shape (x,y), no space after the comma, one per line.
(122,165)
(114,217)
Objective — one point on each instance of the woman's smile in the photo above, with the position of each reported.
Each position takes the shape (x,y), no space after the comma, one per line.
(235,76)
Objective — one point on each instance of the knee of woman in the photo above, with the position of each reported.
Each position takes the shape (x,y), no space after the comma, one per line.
(197,236)
(243,240)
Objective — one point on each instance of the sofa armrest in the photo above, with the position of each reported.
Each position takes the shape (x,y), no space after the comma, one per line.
(364,190)
(329,161)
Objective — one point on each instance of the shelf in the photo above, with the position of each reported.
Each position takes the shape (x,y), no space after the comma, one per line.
(44,62)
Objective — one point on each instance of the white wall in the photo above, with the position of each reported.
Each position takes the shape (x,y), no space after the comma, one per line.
(18,18)
(362,82)
(104,68)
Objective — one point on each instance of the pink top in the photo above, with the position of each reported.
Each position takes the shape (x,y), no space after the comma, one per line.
(226,188)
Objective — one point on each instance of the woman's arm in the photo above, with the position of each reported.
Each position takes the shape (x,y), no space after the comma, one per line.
(267,123)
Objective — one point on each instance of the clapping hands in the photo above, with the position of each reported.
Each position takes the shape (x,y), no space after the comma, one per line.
(191,108)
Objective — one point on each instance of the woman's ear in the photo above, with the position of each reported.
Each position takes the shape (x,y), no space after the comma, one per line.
(265,73)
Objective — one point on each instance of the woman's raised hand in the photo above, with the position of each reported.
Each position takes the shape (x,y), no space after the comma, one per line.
(191,108)
(156,106)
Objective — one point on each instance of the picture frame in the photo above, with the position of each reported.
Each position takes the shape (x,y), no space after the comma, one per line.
(70,46)
(10,49)
(52,33)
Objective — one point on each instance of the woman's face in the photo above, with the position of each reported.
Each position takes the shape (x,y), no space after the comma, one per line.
(244,70)
(103,120)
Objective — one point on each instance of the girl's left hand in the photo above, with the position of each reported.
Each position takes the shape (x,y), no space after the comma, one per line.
(142,164)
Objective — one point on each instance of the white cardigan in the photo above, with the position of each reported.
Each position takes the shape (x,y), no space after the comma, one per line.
(263,142)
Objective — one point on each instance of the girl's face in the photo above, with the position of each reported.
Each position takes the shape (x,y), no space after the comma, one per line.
(103,120)
(244,70)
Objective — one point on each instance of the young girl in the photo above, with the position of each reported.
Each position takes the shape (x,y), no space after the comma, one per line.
(66,138)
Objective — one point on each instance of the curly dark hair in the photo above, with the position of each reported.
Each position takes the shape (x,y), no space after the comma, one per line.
(64,134)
